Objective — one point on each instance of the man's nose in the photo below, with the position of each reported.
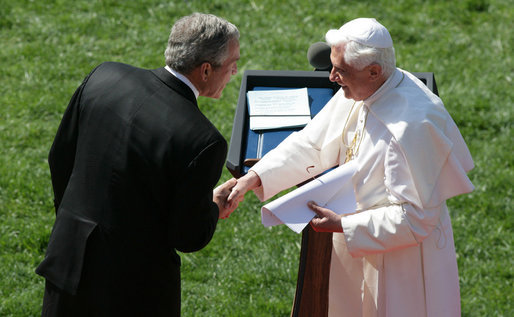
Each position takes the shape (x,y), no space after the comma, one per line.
(333,77)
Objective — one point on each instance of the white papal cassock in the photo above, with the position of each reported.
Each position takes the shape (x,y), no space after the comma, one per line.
(396,256)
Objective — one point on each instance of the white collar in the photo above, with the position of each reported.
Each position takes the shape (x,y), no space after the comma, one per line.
(392,82)
(184,80)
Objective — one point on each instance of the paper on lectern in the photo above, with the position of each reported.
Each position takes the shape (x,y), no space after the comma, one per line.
(333,190)
(282,108)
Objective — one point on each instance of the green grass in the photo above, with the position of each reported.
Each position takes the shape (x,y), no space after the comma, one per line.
(48,46)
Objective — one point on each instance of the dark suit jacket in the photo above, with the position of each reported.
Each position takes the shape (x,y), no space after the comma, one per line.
(133,166)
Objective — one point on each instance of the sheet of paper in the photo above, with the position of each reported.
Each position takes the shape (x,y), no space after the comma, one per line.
(269,122)
(283,108)
(333,190)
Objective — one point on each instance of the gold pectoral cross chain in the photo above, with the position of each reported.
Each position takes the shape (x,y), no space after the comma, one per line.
(353,148)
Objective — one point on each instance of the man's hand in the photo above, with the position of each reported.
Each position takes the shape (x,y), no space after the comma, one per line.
(248,182)
(220,195)
(326,220)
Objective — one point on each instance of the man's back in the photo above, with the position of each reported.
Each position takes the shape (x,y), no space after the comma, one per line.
(139,140)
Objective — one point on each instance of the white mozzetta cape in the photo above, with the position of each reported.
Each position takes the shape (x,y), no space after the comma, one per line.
(396,256)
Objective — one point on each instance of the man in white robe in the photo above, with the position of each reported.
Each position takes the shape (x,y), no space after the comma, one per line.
(395,256)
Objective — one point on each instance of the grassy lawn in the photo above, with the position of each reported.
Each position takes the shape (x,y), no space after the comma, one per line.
(48,46)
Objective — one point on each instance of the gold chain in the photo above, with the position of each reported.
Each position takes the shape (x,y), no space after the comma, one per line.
(353,148)
(346,124)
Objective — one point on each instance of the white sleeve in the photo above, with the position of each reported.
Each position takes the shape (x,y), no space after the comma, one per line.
(398,225)
(306,153)
(286,166)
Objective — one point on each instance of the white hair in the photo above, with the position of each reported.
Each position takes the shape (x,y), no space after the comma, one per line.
(359,55)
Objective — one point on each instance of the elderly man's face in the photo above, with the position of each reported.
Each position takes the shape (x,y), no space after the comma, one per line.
(222,74)
(356,84)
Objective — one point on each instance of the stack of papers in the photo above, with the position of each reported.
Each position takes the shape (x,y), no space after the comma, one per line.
(274,109)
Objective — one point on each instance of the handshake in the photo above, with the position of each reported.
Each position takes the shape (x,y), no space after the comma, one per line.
(229,194)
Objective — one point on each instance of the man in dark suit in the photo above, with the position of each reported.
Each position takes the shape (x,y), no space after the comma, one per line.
(133,167)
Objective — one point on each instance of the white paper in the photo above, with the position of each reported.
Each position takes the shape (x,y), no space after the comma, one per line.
(283,108)
(333,190)
(267,122)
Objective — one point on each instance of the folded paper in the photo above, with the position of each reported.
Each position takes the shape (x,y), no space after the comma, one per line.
(333,190)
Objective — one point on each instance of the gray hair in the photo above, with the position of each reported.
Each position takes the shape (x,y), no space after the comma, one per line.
(199,38)
(359,56)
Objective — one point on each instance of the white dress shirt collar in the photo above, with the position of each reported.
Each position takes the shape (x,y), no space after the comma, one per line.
(184,80)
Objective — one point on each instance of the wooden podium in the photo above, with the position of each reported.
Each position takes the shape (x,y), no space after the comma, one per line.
(311,297)
(247,147)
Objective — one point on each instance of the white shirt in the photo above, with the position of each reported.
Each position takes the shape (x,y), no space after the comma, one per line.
(184,79)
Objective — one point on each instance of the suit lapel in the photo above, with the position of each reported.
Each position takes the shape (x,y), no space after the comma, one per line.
(174,83)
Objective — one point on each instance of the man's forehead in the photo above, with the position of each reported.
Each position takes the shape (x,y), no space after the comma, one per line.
(337,56)
(234,47)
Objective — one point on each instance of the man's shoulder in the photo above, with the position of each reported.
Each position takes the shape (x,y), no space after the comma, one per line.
(116,69)
(115,65)
(410,100)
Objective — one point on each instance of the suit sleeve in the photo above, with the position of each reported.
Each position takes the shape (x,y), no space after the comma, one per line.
(194,222)
(62,153)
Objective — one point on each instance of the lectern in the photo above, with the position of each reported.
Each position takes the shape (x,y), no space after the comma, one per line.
(247,147)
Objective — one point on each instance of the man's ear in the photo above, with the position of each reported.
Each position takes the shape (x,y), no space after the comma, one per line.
(205,70)
(375,71)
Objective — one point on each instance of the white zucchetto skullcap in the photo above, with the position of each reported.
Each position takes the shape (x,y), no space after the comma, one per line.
(366,31)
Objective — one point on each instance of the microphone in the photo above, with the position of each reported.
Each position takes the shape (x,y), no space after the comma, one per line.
(318,55)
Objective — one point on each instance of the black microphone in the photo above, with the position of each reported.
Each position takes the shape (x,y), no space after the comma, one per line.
(318,55)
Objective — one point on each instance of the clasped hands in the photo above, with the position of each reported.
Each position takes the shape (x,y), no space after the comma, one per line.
(229,194)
